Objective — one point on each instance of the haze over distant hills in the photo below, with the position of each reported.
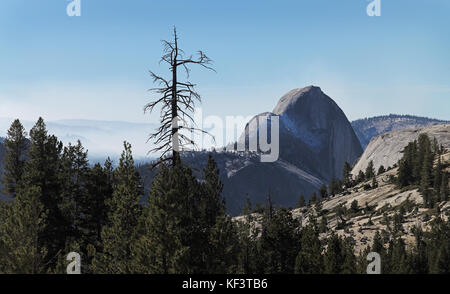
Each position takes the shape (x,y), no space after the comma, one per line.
(101,138)
(367,128)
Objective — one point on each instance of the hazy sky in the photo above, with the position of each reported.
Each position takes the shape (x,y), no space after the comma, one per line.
(96,66)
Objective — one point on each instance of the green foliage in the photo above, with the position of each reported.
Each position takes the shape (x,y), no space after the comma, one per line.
(381,170)
(323,192)
(444,190)
(335,187)
(313,200)
(374,182)
(14,161)
(339,257)
(278,244)
(347,175)
(184,222)
(309,259)
(354,206)
(416,168)
(248,241)
(370,171)
(123,218)
(42,170)
(361,177)
(301,201)
(22,250)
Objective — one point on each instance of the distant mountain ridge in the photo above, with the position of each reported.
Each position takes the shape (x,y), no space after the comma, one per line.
(367,128)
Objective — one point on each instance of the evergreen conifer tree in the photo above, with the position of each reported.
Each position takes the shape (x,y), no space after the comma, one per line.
(370,171)
(21,234)
(42,170)
(14,161)
(121,231)
(301,201)
(309,259)
(444,190)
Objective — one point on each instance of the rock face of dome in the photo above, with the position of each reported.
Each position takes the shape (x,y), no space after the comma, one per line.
(315,134)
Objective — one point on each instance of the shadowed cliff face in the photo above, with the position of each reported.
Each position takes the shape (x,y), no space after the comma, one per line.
(315,134)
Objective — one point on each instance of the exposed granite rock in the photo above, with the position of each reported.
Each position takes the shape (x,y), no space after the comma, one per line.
(386,149)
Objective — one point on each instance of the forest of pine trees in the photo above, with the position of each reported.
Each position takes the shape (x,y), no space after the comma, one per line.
(63,204)
(421,166)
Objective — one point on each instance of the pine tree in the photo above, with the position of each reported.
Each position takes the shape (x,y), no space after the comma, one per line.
(423,146)
(323,225)
(74,175)
(248,233)
(94,206)
(172,224)
(399,258)
(313,200)
(21,234)
(361,176)
(381,170)
(425,180)
(349,265)
(42,171)
(370,171)
(213,203)
(347,175)
(223,241)
(124,213)
(220,246)
(354,206)
(323,192)
(444,187)
(437,181)
(278,242)
(419,264)
(335,187)
(374,182)
(301,201)
(377,245)
(334,258)
(14,161)
(309,259)
(442,262)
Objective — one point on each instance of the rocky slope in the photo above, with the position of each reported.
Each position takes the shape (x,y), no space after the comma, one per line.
(368,128)
(375,206)
(386,149)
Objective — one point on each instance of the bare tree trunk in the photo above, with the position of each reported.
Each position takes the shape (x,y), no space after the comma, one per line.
(175,142)
(177,100)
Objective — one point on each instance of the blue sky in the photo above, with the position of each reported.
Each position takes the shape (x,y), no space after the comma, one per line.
(96,66)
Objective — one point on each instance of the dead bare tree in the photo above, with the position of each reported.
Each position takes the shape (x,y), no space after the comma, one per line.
(177,101)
